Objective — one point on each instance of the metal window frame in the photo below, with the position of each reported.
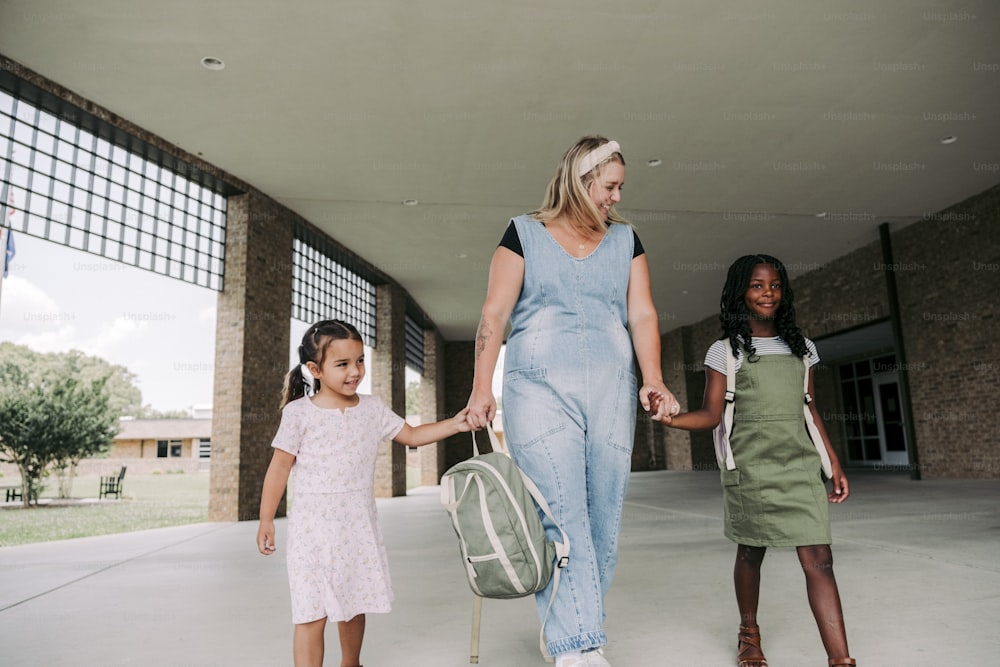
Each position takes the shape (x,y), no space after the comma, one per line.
(414,345)
(79,181)
(327,285)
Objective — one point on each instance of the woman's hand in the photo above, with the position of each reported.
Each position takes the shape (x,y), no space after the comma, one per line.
(482,408)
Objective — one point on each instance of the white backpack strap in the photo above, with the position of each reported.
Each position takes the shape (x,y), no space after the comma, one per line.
(723,449)
(562,556)
(814,433)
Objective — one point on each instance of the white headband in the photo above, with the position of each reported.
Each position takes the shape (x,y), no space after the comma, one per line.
(597,156)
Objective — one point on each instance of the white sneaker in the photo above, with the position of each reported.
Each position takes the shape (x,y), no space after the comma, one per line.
(571,659)
(596,658)
(582,659)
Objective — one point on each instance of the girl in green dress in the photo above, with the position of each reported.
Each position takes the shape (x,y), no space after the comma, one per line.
(775,495)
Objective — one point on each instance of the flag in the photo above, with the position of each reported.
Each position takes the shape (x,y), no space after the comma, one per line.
(9,252)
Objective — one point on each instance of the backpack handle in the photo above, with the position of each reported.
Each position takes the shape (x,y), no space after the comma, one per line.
(495,444)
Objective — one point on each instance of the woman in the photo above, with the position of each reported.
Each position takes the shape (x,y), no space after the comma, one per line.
(573,279)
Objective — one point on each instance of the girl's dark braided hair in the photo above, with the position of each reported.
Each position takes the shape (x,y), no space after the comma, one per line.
(313,348)
(735,316)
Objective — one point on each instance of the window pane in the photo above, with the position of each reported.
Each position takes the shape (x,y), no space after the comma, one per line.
(64,178)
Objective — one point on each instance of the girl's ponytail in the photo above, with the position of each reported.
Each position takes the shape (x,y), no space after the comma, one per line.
(294,387)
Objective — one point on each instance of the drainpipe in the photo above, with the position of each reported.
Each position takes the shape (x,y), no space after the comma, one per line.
(888,268)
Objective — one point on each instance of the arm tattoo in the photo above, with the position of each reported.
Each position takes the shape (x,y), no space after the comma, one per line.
(482,335)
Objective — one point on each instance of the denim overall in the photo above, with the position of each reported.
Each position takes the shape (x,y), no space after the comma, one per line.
(776,496)
(569,410)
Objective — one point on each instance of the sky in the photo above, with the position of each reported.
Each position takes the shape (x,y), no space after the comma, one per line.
(57,299)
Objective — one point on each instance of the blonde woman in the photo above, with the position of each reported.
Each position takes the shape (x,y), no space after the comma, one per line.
(573,280)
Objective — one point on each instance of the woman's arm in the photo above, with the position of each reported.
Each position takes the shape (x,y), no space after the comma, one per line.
(275,482)
(840,487)
(502,292)
(425,434)
(644,325)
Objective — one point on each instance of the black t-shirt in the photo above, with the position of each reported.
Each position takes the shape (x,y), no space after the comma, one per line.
(512,242)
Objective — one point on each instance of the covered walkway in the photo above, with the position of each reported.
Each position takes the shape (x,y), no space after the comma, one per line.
(918,565)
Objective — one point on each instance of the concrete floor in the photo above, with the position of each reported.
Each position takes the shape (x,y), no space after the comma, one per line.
(918,565)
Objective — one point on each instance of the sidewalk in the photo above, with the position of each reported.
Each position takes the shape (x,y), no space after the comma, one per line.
(918,565)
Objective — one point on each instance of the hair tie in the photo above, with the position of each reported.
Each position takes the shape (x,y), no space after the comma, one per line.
(597,156)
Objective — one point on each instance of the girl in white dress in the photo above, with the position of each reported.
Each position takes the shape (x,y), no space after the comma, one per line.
(329,437)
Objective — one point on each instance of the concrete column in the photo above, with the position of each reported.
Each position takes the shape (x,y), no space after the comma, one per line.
(388,370)
(251,354)
(676,443)
(432,407)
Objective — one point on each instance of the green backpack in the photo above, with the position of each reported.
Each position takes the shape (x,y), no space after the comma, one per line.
(492,505)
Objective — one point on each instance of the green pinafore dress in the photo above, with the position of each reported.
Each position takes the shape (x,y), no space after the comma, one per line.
(776,496)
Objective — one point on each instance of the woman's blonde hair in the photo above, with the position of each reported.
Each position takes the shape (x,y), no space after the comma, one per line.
(568,192)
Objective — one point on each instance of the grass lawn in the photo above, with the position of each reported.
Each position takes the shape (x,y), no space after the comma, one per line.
(148,501)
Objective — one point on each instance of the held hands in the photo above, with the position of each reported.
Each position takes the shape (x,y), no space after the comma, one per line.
(658,402)
(482,408)
(462,421)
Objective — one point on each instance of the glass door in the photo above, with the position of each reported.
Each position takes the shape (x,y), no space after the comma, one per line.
(873,413)
(892,435)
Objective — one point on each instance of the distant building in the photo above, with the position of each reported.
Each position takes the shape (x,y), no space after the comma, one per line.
(165,445)
(163,439)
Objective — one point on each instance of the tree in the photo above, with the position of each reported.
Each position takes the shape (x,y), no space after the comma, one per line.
(125,398)
(51,420)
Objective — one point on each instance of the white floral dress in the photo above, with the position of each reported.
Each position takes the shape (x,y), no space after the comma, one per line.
(337,565)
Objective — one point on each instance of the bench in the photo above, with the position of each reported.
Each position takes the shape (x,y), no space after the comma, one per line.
(12,491)
(111,485)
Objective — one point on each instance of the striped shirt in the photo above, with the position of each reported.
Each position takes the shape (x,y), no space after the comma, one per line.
(715,358)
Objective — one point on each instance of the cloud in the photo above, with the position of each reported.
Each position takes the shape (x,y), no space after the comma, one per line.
(110,338)
(33,318)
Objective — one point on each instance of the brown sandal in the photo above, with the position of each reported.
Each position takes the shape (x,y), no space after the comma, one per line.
(843,662)
(749,637)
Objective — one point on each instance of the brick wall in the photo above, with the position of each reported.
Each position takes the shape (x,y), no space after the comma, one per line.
(458,372)
(254,306)
(949,297)
(388,368)
(432,406)
(676,449)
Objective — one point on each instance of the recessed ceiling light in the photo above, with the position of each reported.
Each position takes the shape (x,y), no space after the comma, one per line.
(950,139)
(655,162)
(821,214)
(410,202)
(461,255)
(212,63)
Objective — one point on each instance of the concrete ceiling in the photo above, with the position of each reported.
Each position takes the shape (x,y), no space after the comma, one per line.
(763,114)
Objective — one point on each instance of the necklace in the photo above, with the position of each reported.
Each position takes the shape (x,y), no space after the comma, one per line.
(585,241)
(574,235)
